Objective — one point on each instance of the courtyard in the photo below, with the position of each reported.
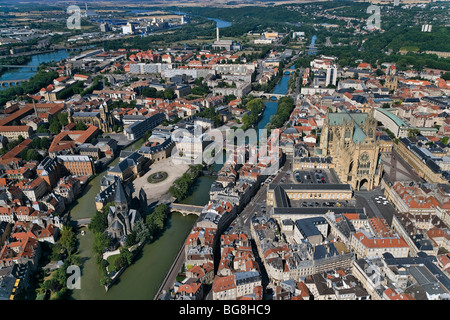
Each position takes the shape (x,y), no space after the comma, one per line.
(158,192)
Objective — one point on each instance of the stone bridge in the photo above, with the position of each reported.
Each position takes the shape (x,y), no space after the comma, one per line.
(63,47)
(80,223)
(19,66)
(268,95)
(185,209)
(288,71)
(10,83)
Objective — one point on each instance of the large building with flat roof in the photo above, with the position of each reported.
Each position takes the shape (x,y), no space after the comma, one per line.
(137,129)
(279,195)
(295,213)
(77,165)
(390,121)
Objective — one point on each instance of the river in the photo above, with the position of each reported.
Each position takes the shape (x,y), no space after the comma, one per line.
(271,106)
(200,193)
(219,22)
(141,280)
(36,60)
(312,49)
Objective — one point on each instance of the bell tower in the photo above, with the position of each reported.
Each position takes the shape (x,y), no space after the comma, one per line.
(391,78)
(120,200)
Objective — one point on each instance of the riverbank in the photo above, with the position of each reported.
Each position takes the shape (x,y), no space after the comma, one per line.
(116,276)
(84,206)
(171,275)
(159,254)
(30,53)
(142,278)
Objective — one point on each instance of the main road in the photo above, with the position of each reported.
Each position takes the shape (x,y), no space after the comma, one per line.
(257,203)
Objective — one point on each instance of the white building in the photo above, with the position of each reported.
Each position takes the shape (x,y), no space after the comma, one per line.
(128,29)
(366,246)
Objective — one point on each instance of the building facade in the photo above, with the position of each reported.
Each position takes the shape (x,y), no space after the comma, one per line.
(350,140)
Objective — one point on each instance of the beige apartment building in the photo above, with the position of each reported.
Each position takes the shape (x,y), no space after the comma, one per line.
(13,132)
(276,194)
(365,246)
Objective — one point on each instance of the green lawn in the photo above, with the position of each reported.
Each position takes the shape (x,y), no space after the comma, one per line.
(111,261)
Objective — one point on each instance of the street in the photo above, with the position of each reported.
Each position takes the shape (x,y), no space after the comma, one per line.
(366,199)
(257,204)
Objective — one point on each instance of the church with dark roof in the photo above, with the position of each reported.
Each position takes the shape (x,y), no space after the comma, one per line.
(123,215)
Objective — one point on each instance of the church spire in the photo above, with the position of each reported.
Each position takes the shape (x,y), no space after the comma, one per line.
(120,196)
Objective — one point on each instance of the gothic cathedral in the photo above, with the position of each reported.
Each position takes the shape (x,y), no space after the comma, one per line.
(350,140)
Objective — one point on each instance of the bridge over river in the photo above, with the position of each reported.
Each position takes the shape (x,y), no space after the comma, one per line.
(186,209)
(80,223)
(10,83)
(268,95)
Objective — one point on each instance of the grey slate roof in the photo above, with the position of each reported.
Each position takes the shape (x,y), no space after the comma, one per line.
(120,195)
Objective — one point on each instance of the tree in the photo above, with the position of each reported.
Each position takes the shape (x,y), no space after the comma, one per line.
(126,255)
(36,143)
(131,239)
(55,127)
(169,94)
(45,143)
(155,221)
(118,263)
(412,133)
(101,242)
(63,118)
(149,92)
(68,239)
(80,126)
(32,155)
(43,128)
(105,280)
(142,232)
(99,222)
(146,135)
(56,252)
(446,76)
